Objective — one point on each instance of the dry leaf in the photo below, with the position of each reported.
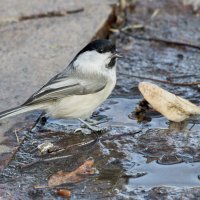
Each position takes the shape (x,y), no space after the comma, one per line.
(64,193)
(171,106)
(74,176)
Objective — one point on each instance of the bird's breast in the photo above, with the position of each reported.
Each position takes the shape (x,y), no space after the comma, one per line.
(81,106)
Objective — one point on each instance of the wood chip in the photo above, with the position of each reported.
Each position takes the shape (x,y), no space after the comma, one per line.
(169,105)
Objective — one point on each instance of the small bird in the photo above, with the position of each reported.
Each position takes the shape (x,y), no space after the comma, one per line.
(80,88)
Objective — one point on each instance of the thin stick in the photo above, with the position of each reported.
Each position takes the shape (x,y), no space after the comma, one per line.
(192,126)
(50,14)
(61,157)
(56,158)
(120,135)
(44,160)
(161,81)
(17,138)
(41,186)
(170,42)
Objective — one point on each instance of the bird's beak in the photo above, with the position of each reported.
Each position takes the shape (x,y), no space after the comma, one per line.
(116,55)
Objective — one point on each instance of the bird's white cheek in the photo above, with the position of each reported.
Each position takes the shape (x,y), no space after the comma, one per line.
(92,62)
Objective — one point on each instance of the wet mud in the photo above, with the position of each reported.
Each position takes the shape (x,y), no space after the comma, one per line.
(136,159)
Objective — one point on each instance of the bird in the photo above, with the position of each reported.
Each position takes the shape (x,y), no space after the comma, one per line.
(79,89)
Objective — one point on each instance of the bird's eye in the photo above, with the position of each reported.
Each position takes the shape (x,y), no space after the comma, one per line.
(101,51)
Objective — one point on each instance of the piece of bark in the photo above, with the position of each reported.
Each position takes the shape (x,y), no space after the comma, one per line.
(169,105)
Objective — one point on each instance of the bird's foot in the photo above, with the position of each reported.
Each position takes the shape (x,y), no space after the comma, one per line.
(83,130)
(93,128)
(99,129)
(95,122)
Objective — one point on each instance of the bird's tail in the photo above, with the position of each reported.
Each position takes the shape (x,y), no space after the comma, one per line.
(18,110)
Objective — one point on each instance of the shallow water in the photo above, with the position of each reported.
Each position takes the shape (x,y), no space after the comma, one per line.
(127,160)
(150,159)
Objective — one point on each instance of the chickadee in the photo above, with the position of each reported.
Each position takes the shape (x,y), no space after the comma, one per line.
(80,88)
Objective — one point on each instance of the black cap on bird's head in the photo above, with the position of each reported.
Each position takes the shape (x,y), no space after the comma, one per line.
(98,51)
(101,46)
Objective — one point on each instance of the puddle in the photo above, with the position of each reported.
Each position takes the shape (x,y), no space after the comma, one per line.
(152,159)
(130,156)
(154,174)
(120,109)
(179,175)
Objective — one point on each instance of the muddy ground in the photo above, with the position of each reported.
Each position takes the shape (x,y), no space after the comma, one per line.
(150,159)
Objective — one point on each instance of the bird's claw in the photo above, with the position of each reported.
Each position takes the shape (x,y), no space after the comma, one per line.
(100,130)
(83,130)
(94,128)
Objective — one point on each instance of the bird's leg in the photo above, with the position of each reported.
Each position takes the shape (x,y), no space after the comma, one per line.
(92,122)
(95,122)
(41,120)
(93,128)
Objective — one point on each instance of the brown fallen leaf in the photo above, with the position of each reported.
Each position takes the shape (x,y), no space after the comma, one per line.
(72,177)
(169,105)
(64,193)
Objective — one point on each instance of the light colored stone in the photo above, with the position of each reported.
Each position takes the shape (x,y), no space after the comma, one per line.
(17,8)
(32,51)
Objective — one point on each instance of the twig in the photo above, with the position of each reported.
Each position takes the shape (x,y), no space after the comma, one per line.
(19,145)
(135,26)
(50,14)
(155,13)
(161,81)
(44,160)
(56,158)
(119,135)
(17,138)
(47,187)
(169,42)
(15,151)
(192,126)
(83,144)
(41,186)
(75,11)
(184,76)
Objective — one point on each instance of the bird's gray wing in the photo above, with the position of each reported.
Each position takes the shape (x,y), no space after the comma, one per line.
(66,84)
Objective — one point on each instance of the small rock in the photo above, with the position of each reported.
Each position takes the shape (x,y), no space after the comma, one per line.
(44,147)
